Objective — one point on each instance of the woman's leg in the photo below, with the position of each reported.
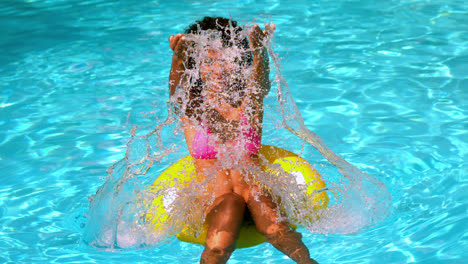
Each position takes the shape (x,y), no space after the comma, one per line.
(224,215)
(225,219)
(265,214)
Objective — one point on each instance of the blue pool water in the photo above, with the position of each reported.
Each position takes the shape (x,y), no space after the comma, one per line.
(384,83)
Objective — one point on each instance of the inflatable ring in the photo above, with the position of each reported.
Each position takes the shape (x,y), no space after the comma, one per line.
(180,174)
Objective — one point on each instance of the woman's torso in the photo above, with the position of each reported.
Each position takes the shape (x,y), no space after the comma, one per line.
(243,129)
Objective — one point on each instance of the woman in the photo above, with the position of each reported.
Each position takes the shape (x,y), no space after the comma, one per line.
(222,119)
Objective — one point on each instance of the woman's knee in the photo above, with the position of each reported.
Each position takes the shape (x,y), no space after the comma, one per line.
(227,212)
(267,216)
(229,200)
(269,228)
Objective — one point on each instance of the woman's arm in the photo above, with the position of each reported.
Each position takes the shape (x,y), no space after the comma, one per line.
(178,44)
(259,83)
(261,69)
(259,79)
(260,73)
(189,132)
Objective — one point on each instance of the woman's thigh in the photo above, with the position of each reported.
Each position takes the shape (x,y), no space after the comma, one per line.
(265,212)
(242,179)
(217,179)
(222,181)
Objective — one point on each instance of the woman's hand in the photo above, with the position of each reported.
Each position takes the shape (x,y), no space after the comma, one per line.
(178,44)
(259,38)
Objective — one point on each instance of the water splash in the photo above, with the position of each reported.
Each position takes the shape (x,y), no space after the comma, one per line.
(118,213)
(363,199)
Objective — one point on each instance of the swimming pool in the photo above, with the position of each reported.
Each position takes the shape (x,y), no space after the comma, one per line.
(383,83)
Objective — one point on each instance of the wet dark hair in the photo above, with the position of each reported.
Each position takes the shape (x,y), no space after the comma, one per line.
(224,26)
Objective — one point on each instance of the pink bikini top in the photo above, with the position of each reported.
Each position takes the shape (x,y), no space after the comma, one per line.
(204,147)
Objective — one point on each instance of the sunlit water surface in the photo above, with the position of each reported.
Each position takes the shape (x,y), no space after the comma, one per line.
(384,84)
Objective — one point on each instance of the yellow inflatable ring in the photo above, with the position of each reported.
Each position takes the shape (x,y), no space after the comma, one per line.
(183,172)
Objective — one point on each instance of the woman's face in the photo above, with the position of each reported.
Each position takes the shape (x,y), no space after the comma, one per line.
(216,71)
